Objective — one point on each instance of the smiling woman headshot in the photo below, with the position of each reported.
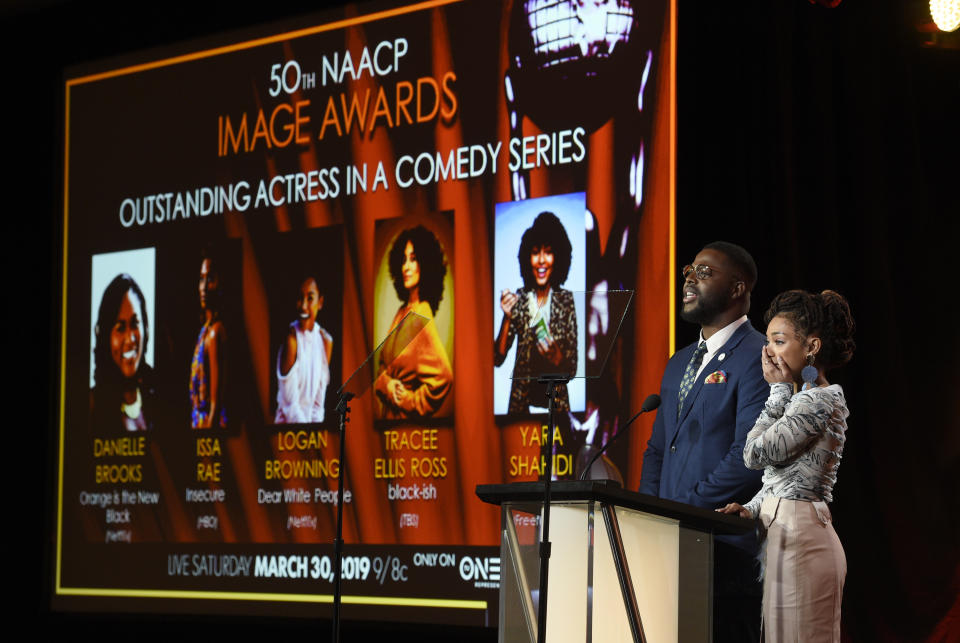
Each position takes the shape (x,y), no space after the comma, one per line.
(541,315)
(303,362)
(414,380)
(122,395)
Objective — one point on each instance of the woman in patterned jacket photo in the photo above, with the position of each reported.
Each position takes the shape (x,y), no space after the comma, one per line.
(541,315)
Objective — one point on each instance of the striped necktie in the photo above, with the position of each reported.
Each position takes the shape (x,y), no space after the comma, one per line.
(690,375)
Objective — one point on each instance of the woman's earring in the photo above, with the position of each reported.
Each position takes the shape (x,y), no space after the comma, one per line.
(809,373)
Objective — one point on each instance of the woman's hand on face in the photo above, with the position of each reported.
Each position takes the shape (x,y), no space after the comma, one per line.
(551,350)
(735,508)
(775,370)
(508,300)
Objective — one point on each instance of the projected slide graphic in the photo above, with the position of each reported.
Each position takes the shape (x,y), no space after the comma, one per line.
(258,217)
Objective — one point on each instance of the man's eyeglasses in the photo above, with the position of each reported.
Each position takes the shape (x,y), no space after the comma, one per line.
(703,271)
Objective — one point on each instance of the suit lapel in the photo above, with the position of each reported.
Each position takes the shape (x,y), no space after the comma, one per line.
(726,350)
(672,421)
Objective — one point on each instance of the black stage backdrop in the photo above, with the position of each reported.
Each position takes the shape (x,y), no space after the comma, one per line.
(824,140)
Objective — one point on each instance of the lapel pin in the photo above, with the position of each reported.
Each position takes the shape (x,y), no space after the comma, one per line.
(721,356)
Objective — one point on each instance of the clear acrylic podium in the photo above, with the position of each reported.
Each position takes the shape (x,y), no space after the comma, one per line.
(625,566)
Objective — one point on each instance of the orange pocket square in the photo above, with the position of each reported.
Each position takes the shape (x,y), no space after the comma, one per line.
(716,377)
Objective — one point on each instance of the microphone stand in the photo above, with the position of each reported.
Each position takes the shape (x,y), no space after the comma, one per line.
(343,408)
(649,404)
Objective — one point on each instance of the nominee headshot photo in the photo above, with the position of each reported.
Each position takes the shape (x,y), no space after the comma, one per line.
(207,384)
(304,279)
(538,316)
(123,394)
(414,274)
(201,333)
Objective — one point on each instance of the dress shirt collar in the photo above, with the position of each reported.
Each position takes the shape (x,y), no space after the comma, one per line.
(718,339)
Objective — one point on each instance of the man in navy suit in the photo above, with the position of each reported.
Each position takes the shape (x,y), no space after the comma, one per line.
(712,393)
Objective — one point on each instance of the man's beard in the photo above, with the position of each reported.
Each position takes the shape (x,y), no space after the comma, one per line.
(705,311)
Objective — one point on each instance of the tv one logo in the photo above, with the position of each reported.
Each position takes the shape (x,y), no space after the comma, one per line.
(484,572)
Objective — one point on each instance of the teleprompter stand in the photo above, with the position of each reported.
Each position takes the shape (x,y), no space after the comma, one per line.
(343,408)
(553,382)
(606,310)
(355,386)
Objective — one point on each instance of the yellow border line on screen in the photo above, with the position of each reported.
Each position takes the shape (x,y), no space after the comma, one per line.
(289,598)
(63,328)
(166,62)
(258,42)
(671,270)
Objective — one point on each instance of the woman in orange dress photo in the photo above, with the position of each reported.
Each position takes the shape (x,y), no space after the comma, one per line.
(415,379)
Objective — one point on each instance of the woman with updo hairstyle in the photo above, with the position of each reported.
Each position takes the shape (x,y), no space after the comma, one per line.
(415,378)
(122,397)
(207,373)
(798,441)
(541,315)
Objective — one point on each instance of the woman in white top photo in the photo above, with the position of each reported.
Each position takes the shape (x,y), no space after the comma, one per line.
(303,362)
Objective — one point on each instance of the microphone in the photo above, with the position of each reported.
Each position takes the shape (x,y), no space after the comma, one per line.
(649,404)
